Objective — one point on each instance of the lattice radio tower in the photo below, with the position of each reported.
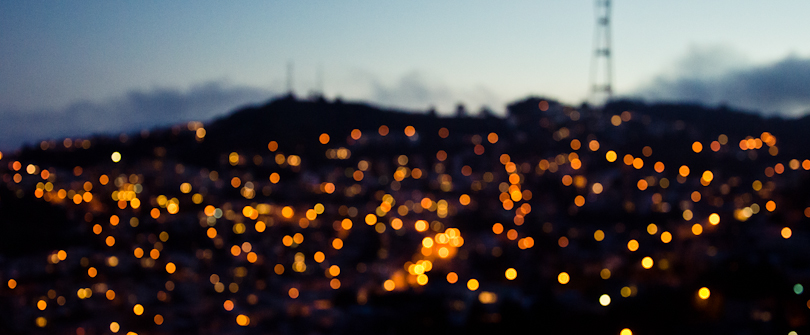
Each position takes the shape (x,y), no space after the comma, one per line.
(601,64)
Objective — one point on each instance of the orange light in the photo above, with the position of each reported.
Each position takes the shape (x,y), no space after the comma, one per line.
(786,233)
(632,245)
(697,147)
(452,277)
(563,278)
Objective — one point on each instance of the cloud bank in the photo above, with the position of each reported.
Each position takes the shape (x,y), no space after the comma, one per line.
(134,110)
(145,109)
(417,91)
(715,76)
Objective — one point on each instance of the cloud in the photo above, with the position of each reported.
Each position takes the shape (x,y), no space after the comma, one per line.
(415,90)
(132,111)
(717,76)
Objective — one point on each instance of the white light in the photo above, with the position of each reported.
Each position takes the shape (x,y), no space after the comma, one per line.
(604,300)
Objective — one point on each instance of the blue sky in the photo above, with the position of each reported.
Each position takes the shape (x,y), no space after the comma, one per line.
(57,55)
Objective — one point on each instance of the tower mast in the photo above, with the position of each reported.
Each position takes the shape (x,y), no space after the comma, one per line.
(601,63)
(290,78)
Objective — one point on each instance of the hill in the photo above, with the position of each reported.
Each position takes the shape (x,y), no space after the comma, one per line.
(306,216)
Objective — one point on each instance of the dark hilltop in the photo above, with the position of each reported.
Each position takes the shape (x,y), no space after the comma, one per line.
(331,217)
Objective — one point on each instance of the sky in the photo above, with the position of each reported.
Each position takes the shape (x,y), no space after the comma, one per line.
(69,68)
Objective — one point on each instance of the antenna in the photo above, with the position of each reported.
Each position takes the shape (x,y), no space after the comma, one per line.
(320,80)
(601,64)
(290,77)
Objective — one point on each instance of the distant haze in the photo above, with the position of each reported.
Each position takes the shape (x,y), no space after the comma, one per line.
(75,68)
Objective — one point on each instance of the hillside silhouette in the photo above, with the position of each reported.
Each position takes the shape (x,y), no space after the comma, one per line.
(323,217)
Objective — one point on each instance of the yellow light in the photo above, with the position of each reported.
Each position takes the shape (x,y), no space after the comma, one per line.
(170,267)
(652,229)
(697,229)
(421,225)
(472,284)
(688,215)
(647,262)
(704,293)
(632,245)
(444,252)
(422,279)
(138,309)
(427,242)
(242,320)
(487,297)
(114,327)
(563,278)
(41,322)
(599,235)
(116,157)
(605,273)
(707,176)
(611,156)
(626,331)
(41,305)
(511,273)
(714,218)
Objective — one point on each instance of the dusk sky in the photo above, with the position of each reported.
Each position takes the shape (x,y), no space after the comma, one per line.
(97,59)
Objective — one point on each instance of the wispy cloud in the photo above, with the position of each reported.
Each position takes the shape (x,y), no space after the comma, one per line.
(131,111)
(417,91)
(145,109)
(720,76)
